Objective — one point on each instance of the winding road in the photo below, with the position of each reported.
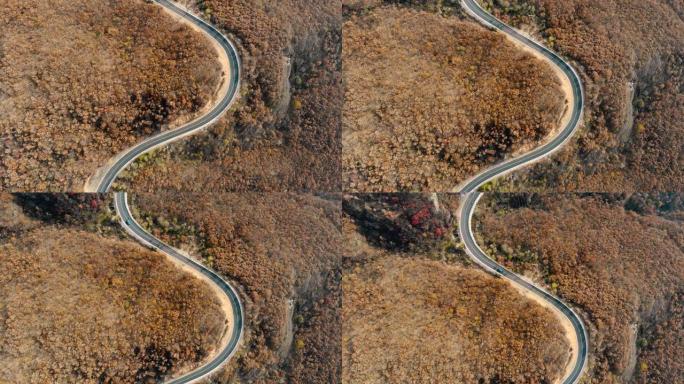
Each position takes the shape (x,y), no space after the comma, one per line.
(231,341)
(107,177)
(469,191)
(470,195)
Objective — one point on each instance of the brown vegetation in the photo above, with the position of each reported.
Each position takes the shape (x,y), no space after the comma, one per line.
(408,319)
(430,100)
(82,80)
(623,270)
(443,7)
(76,307)
(284,134)
(282,252)
(662,346)
(631,55)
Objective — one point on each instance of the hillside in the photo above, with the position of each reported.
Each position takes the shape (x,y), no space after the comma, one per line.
(79,307)
(432,99)
(617,259)
(284,133)
(629,54)
(418,313)
(82,80)
(281,251)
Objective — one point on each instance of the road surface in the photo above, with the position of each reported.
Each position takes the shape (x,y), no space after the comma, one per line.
(228,348)
(129,155)
(555,143)
(134,229)
(471,196)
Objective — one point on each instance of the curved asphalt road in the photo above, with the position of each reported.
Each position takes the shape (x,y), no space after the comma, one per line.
(167,136)
(470,196)
(135,230)
(471,185)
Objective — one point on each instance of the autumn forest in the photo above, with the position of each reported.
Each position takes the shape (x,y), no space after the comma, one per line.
(398,191)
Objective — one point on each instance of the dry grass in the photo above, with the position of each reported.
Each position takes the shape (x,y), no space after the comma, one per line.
(419,321)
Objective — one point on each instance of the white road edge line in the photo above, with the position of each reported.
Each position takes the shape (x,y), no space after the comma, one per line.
(109,174)
(575,374)
(103,180)
(123,210)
